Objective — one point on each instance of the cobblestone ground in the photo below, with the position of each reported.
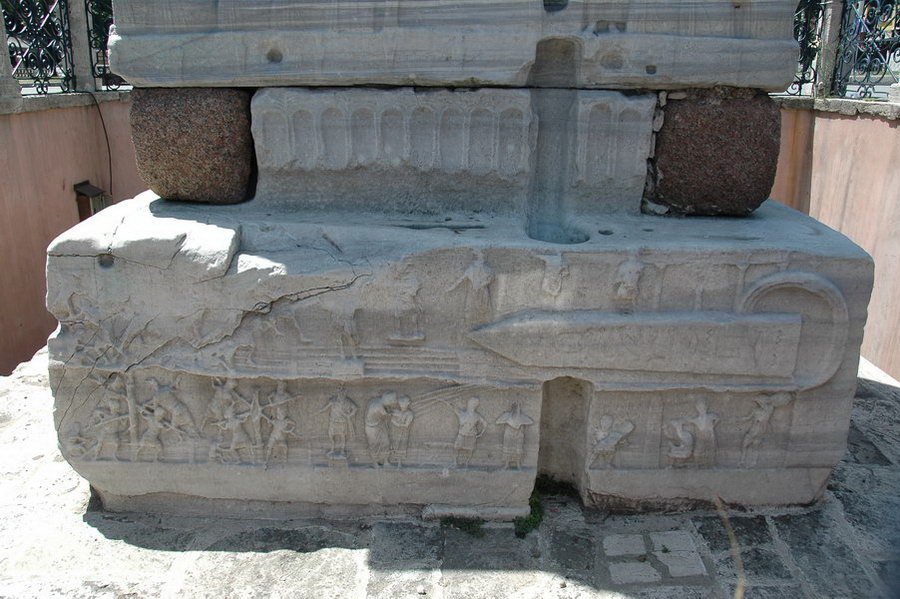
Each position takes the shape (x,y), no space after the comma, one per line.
(52,543)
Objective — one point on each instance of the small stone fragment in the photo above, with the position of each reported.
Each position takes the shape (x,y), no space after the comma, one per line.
(420,589)
(717,152)
(194,144)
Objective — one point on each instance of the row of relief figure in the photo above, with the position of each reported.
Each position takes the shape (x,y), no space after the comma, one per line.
(691,441)
(242,430)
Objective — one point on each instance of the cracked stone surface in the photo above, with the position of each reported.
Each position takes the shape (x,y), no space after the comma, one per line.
(55,543)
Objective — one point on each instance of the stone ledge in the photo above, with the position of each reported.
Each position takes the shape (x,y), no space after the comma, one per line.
(36,103)
(886,110)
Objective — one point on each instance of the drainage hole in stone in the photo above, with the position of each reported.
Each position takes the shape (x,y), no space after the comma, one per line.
(105,260)
(651,69)
(274,55)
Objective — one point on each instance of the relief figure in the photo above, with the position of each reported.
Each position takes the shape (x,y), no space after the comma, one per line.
(282,427)
(514,422)
(760,418)
(341,410)
(704,424)
(401,421)
(378,418)
(627,286)
(681,442)
(477,279)
(471,427)
(608,438)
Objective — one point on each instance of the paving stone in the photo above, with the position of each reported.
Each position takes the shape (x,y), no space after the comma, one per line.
(402,583)
(405,542)
(682,563)
(672,592)
(758,563)
(752,591)
(572,551)
(820,549)
(633,572)
(618,545)
(750,531)
(673,540)
(498,549)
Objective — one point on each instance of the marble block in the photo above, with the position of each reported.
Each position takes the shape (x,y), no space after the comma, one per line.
(623,44)
(436,151)
(247,359)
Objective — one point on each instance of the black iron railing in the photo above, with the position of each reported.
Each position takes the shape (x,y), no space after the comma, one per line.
(868,57)
(99,19)
(808,22)
(40,44)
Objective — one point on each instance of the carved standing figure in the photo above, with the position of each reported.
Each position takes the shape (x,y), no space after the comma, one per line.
(704,435)
(608,438)
(401,421)
(378,418)
(282,426)
(471,427)
(407,310)
(154,426)
(514,423)
(479,304)
(627,286)
(107,423)
(238,439)
(760,419)
(341,410)
(224,393)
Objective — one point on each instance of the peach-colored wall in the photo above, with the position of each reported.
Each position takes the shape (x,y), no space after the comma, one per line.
(43,154)
(845,171)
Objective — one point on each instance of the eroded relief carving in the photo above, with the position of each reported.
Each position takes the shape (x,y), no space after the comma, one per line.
(407,310)
(692,441)
(556,271)
(608,438)
(477,280)
(514,423)
(471,427)
(760,418)
(627,285)
(341,410)
(401,421)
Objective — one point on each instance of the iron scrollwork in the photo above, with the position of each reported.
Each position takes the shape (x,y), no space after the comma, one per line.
(868,60)
(40,44)
(808,33)
(99,20)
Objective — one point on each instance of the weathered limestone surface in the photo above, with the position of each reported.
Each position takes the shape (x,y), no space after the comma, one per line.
(717,152)
(636,44)
(57,543)
(245,359)
(194,144)
(443,151)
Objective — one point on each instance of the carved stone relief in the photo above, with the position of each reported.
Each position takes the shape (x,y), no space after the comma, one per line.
(514,423)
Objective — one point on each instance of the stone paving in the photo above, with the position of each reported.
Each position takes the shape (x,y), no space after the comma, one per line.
(54,541)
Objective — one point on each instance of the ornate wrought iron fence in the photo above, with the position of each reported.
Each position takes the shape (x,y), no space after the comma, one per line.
(868,58)
(808,23)
(40,44)
(99,19)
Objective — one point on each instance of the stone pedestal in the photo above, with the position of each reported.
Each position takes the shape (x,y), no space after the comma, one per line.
(444,285)
(246,359)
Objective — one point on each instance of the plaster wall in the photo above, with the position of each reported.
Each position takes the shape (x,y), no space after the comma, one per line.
(43,154)
(843,171)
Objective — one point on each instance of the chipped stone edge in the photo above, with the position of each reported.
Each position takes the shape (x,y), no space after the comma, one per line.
(887,110)
(35,103)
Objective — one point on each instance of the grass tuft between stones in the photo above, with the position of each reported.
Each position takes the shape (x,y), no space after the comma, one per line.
(525,525)
(470,526)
